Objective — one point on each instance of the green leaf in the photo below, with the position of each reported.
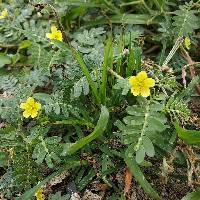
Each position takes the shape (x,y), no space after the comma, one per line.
(139,176)
(155,124)
(140,154)
(135,110)
(98,130)
(195,195)
(148,146)
(191,137)
(87,74)
(124,85)
(75,122)
(4,59)
(131,61)
(125,19)
(185,21)
(86,179)
(108,55)
(138,58)
(24,44)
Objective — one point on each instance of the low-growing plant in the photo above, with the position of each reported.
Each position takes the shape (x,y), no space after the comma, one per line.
(93,88)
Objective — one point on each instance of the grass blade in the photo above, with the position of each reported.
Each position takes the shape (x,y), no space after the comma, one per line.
(139,176)
(108,57)
(192,196)
(120,51)
(124,19)
(87,74)
(98,130)
(74,122)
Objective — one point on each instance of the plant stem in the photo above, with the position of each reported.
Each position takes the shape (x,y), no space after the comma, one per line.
(146,6)
(130,3)
(115,74)
(191,67)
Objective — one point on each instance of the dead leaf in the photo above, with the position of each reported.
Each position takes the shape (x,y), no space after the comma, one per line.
(128,180)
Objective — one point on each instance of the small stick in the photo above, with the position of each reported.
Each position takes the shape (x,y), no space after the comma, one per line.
(191,67)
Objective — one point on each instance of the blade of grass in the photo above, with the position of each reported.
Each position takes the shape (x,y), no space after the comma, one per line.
(87,74)
(98,130)
(111,7)
(78,3)
(139,176)
(120,50)
(193,195)
(74,122)
(159,4)
(131,60)
(138,58)
(108,57)
(124,19)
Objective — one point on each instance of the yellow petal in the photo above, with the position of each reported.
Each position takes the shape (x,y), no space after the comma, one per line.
(59,35)
(34,113)
(23,106)
(26,114)
(141,76)
(37,106)
(4,14)
(135,91)
(145,91)
(149,82)
(30,101)
(53,29)
(133,80)
(49,35)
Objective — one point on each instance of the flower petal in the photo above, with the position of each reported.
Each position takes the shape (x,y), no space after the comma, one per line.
(23,106)
(26,114)
(145,92)
(53,29)
(34,113)
(30,101)
(141,76)
(37,106)
(135,91)
(59,35)
(133,80)
(49,35)
(149,82)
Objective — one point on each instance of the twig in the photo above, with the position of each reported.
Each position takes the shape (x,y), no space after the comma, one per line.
(153,48)
(191,63)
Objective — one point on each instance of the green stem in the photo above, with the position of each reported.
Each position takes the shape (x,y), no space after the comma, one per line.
(130,3)
(146,6)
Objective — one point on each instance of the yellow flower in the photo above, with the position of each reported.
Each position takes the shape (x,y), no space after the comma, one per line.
(31,108)
(140,84)
(39,194)
(4,14)
(55,34)
(187,42)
